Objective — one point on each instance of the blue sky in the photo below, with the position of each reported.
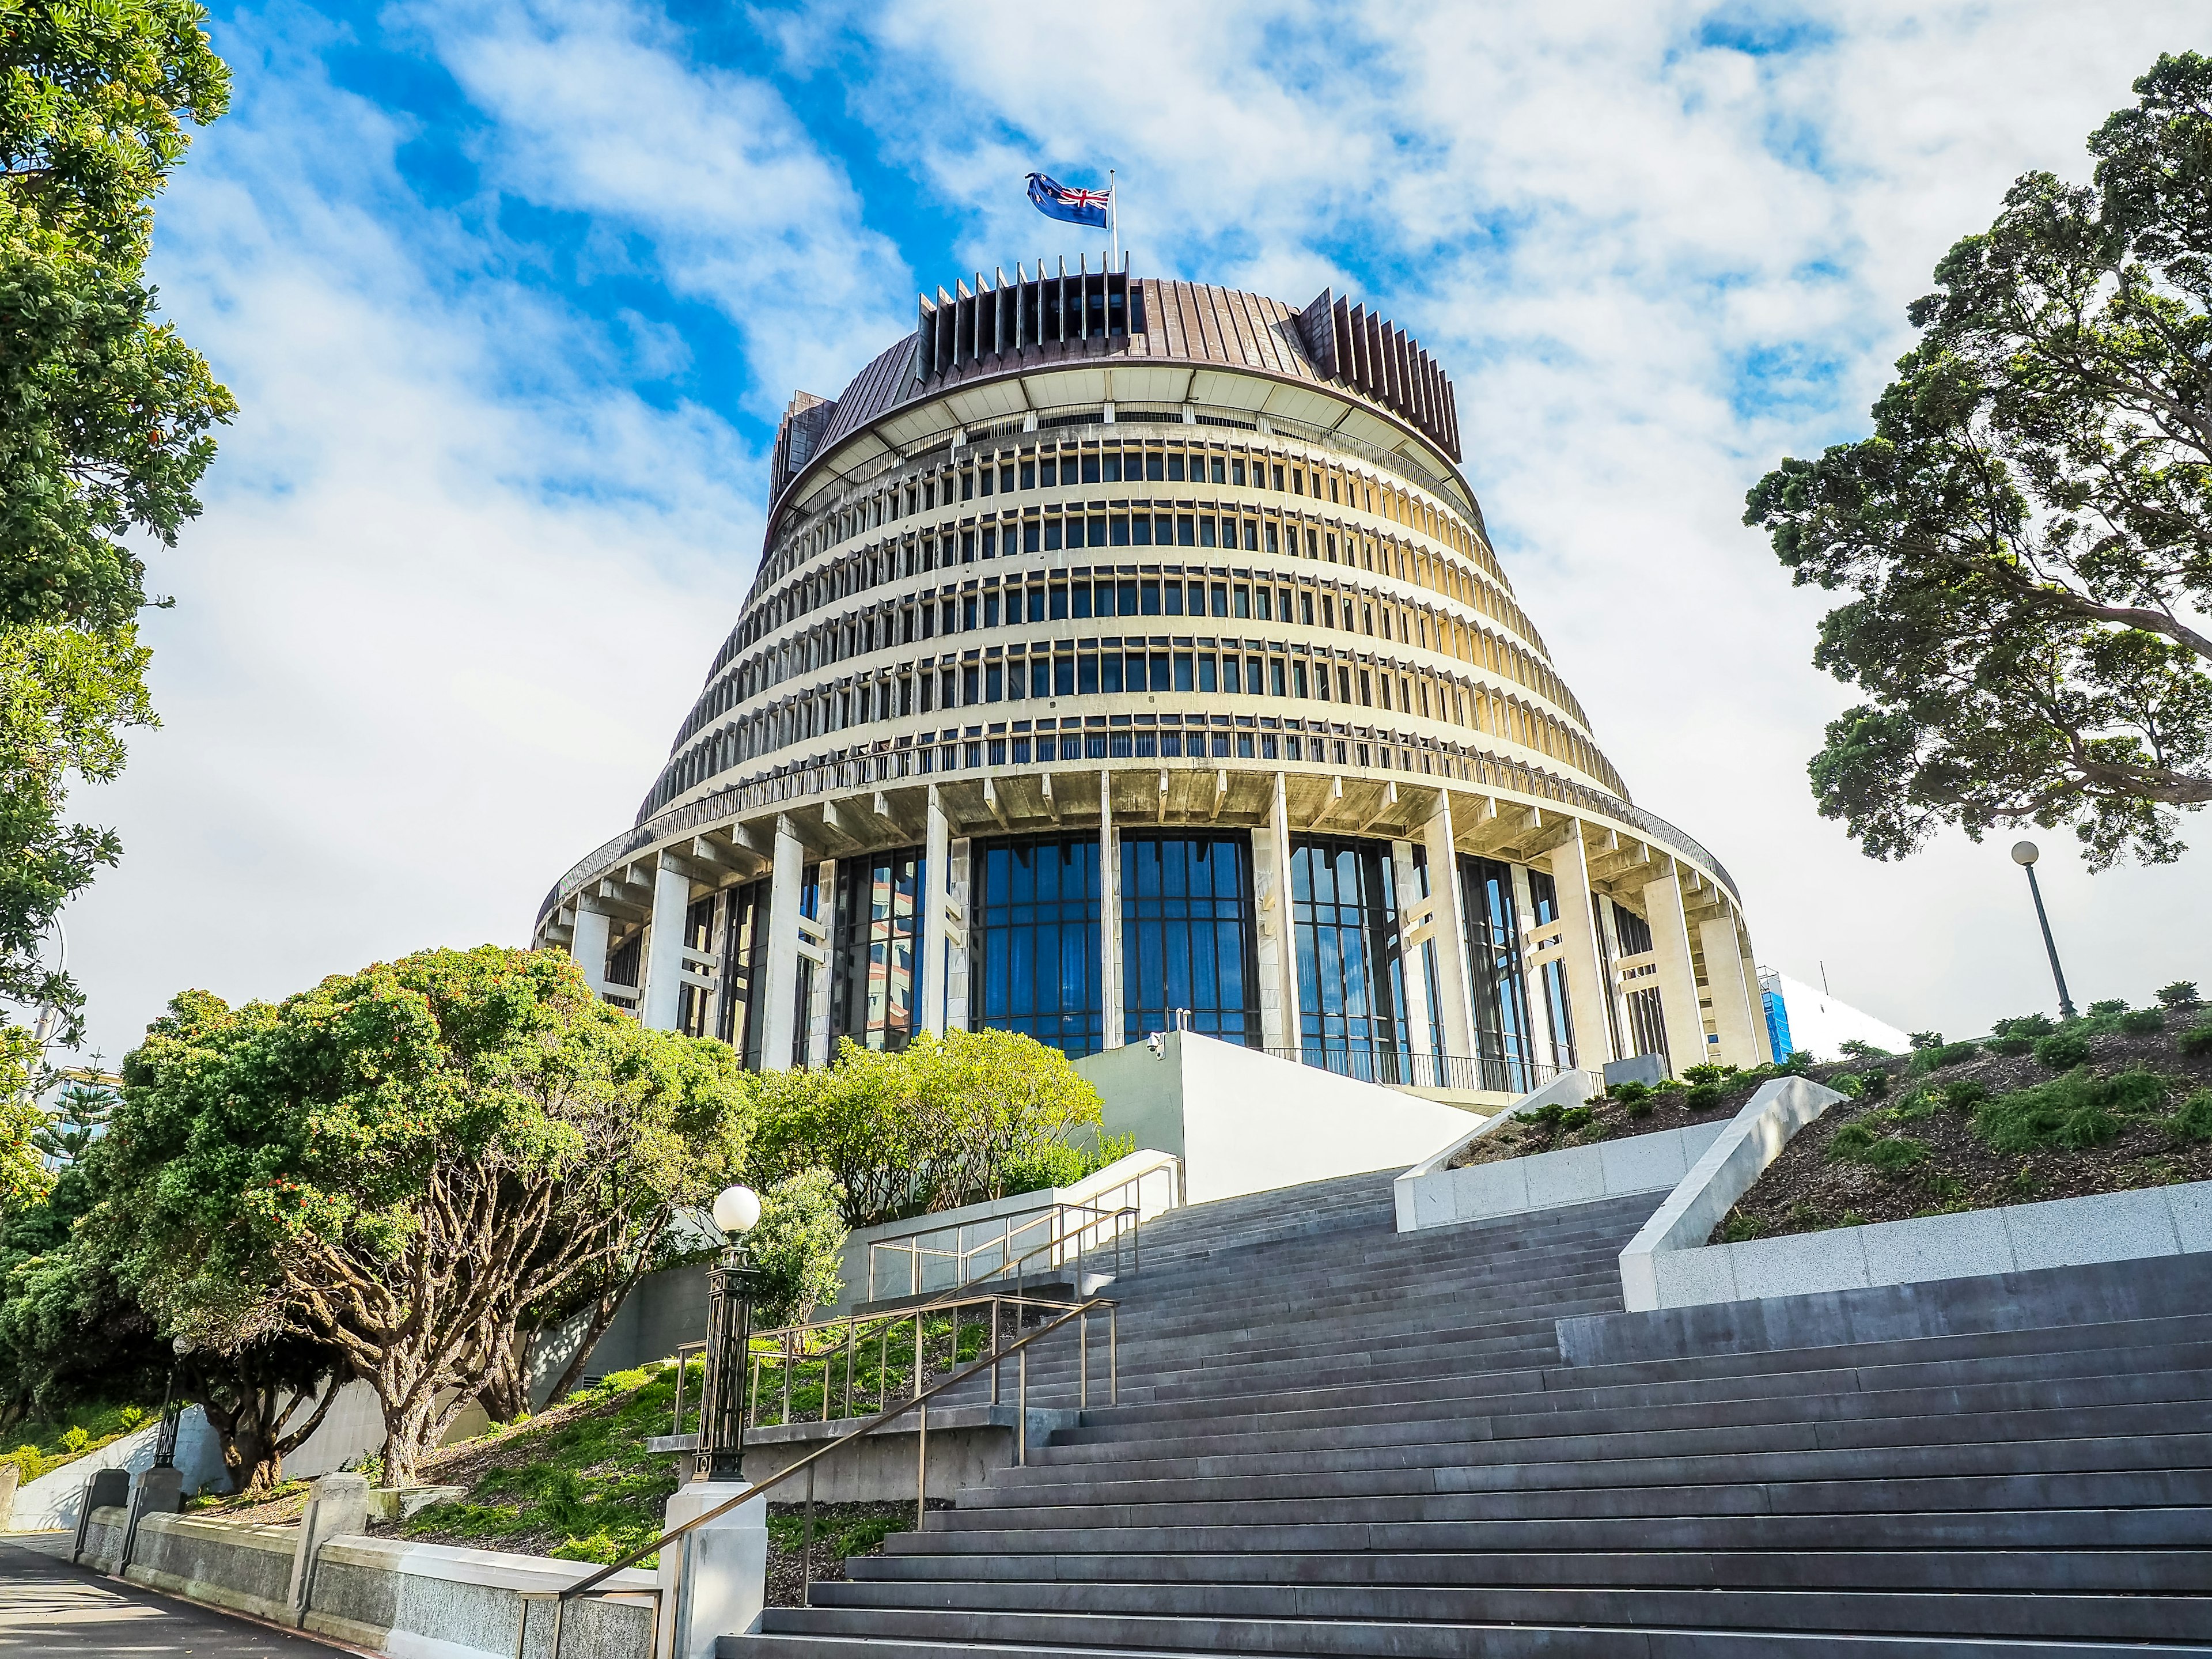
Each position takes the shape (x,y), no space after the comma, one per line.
(511,295)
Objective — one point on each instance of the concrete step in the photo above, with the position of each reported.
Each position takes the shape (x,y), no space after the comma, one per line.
(2073,1571)
(926,1631)
(2109,1618)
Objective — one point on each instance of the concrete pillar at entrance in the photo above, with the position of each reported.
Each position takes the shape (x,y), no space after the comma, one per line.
(1286,956)
(1420,1037)
(1271,918)
(1678,977)
(936,855)
(587,943)
(664,948)
(1736,1016)
(1110,916)
(959,882)
(1589,996)
(779,1010)
(714,1580)
(1453,983)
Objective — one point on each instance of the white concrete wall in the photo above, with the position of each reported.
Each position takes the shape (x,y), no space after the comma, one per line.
(1245,1123)
(1737,1156)
(2062,1232)
(53,1499)
(1573,1175)
(1820,1025)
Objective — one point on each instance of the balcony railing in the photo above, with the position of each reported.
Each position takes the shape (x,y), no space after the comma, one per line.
(1399,1068)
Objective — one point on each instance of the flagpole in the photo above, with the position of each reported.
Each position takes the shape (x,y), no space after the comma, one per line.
(1113,218)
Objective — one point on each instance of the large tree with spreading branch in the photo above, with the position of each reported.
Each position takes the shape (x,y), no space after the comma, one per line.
(2028,529)
(401,1163)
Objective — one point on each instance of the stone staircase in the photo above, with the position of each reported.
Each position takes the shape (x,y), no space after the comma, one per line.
(1333,1439)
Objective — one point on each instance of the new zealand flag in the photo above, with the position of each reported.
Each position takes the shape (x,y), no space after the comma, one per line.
(1076,207)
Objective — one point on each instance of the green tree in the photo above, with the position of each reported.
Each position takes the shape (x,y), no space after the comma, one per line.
(2028,531)
(401,1162)
(105,416)
(78,1118)
(799,1247)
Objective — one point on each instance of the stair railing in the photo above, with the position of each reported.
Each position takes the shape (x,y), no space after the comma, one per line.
(1018,1351)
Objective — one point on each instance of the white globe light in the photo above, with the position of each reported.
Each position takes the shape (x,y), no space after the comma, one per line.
(2023,852)
(736,1209)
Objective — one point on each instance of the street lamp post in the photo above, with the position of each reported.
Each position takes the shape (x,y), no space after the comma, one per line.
(729,1336)
(2024,853)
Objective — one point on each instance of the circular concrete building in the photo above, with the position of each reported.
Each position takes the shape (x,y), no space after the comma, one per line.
(1130,656)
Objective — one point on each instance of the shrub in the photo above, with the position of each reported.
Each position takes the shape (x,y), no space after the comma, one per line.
(2111,1007)
(2142,1022)
(2061,1051)
(1964,1095)
(2197,1040)
(1640,1107)
(2024,1025)
(1859,1052)
(1926,1040)
(1705,1074)
(1873,1084)
(1626,1093)
(1699,1095)
(2181,997)
(1943,1053)
(75,1439)
(2074,1110)
(1798,1063)
(799,1247)
(1858,1142)
(2011,1045)
(1575,1117)
(2192,1118)
(1847,1082)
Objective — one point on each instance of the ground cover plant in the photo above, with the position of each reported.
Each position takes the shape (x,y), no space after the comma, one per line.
(42,1447)
(1701,1094)
(2118,1099)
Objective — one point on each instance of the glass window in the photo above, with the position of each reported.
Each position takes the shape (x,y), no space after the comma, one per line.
(1175,466)
(1082,598)
(1152,473)
(1049,471)
(1344,914)
(1029,475)
(745,939)
(1086,674)
(1187,938)
(1110,467)
(1183,670)
(1038,942)
(873,987)
(1493,956)
(1090,469)
(1207,679)
(1544,898)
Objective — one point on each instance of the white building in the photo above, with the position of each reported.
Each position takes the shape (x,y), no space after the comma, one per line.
(1129,653)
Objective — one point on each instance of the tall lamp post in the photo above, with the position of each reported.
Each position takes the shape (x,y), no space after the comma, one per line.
(2024,853)
(729,1336)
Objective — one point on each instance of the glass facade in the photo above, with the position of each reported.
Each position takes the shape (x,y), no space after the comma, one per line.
(1494,978)
(1647,1023)
(1351,989)
(1037,937)
(744,936)
(872,989)
(1187,938)
(1544,899)
(695,1005)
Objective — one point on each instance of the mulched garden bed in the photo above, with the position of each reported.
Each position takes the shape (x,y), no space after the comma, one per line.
(1919,1152)
(1609,1119)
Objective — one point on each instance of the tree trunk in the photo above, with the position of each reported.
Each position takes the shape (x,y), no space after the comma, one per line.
(506,1393)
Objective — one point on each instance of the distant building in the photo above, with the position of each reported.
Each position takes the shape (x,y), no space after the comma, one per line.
(1801,1016)
(959,764)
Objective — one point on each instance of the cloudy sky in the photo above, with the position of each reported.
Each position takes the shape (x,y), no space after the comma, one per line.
(510,296)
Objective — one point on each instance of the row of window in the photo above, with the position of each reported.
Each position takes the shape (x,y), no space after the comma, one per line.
(946,480)
(1168,590)
(1188,946)
(1197,527)
(1071,669)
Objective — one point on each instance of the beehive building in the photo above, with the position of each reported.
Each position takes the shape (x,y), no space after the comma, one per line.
(1129,654)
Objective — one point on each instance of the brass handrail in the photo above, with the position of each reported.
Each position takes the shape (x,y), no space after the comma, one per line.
(998,1356)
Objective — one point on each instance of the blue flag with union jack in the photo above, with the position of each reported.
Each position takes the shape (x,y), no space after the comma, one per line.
(1076,207)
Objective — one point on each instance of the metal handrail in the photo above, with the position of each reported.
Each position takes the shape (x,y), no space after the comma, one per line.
(915,1250)
(998,1356)
(560,1600)
(1402,1068)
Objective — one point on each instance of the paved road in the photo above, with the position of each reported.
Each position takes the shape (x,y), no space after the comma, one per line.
(49,1606)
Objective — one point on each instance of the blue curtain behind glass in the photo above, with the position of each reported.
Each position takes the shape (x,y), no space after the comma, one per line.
(1187,940)
(1037,912)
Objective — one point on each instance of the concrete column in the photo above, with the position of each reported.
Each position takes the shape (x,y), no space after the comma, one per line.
(664,948)
(817,1005)
(1454,981)
(1279,832)
(1407,884)
(1109,919)
(588,943)
(960,883)
(779,981)
(1736,1013)
(337,1507)
(937,857)
(714,1580)
(1270,917)
(1678,978)
(1588,995)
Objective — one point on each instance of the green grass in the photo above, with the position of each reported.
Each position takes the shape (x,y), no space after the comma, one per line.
(44,1445)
